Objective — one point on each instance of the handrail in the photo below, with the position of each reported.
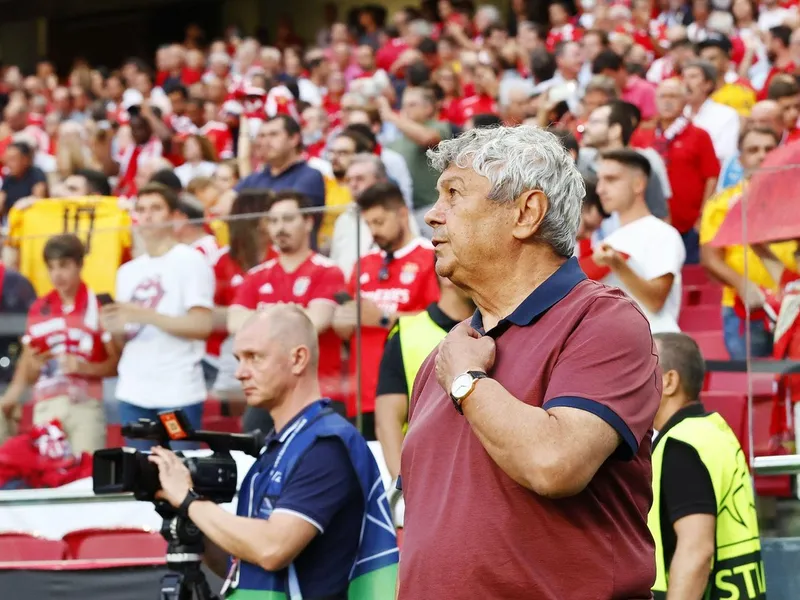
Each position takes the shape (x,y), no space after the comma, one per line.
(784,464)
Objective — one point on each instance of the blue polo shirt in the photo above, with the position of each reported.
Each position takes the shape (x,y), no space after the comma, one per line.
(323,489)
(299,177)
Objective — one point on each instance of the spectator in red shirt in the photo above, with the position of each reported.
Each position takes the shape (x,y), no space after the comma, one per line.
(784,90)
(549,416)
(298,276)
(396,279)
(65,352)
(632,88)
(249,247)
(692,165)
(485,99)
(779,54)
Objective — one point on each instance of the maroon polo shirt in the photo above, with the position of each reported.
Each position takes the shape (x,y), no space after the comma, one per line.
(470,530)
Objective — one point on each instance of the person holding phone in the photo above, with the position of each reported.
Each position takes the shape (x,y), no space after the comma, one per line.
(65,353)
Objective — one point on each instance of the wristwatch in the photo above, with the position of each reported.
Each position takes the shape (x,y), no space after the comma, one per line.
(191,496)
(462,387)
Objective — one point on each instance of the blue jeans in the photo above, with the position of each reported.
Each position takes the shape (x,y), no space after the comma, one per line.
(128,413)
(691,242)
(735,343)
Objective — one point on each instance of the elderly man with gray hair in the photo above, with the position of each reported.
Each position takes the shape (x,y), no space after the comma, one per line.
(526,468)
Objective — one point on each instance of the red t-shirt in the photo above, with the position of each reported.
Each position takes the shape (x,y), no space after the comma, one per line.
(387,54)
(406,284)
(790,69)
(317,279)
(474,105)
(691,161)
(77,332)
(558,350)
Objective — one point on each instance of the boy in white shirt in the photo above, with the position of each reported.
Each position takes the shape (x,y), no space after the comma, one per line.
(645,254)
(161,317)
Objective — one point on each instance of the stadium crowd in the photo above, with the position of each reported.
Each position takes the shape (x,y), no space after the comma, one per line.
(255,155)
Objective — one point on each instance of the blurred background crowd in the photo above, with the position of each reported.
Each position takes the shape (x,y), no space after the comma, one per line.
(295,166)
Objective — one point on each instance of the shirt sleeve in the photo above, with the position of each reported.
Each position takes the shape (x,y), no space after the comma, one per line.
(713,215)
(246,294)
(322,483)
(198,282)
(314,185)
(38,176)
(392,373)
(330,283)
(609,367)
(686,487)
(667,254)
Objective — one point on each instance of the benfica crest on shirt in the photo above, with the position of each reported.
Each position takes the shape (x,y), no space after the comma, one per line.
(301,286)
(409,273)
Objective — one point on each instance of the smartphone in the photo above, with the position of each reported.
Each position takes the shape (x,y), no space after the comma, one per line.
(104,299)
(342,297)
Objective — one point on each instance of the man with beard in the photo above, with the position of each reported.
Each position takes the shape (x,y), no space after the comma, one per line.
(297,276)
(337,195)
(396,279)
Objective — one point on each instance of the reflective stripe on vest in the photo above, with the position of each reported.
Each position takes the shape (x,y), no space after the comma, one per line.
(737,570)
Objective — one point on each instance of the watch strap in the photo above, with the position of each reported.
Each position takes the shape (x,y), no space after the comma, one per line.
(191,496)
(475,376)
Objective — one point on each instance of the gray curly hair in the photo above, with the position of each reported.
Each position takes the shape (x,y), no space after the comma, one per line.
(519,159)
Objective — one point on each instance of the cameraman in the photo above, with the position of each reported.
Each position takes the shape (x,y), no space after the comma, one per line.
(303,504)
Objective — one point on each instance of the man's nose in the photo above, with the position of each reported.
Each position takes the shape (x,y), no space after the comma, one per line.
(434,216)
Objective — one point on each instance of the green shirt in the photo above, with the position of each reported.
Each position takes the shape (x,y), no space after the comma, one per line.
(423,176)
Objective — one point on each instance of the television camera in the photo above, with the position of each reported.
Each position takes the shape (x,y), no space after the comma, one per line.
(126,470)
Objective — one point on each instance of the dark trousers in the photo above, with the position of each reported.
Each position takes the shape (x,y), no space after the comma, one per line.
(691,241)
(367,426)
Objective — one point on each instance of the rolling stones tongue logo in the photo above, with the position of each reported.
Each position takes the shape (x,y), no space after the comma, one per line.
(147,293)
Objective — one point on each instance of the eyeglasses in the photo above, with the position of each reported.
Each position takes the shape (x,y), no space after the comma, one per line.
(383,274)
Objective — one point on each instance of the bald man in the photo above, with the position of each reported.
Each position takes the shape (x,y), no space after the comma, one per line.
(765,114)
(298,524)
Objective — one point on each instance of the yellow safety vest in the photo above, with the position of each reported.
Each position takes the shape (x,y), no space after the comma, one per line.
(737,571)
(419,335)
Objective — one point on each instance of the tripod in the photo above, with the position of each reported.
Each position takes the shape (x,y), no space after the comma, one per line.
(184,553)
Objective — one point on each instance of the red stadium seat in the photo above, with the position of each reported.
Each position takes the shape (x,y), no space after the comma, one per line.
(700,318)
(694,275)
(28,547)
(701,295)
(731,407)
(712,344)
(93,544)
(763,383)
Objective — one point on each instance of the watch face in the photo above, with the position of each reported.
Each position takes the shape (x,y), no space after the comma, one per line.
(461,385)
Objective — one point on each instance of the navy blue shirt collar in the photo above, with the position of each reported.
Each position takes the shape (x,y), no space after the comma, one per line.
(280,436)
(549,293)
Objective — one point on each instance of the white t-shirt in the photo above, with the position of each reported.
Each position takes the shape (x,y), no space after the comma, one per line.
(159,370)
(655,249)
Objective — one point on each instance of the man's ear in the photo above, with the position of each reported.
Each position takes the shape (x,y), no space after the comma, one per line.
(671,382)
(531,208)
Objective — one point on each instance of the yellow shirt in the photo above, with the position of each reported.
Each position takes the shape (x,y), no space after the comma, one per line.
(220,230)
(714,213)
(337,197)
(737,96)
(103,226)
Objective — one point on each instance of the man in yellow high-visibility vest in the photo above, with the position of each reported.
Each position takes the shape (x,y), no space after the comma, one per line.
(703,517)
(410,342)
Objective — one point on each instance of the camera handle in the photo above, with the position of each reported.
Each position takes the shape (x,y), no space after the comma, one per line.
(184,555)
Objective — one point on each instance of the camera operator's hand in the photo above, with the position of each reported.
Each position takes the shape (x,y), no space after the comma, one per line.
(176,481)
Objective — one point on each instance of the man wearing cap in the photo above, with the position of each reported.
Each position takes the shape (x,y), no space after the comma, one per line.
(732,90)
